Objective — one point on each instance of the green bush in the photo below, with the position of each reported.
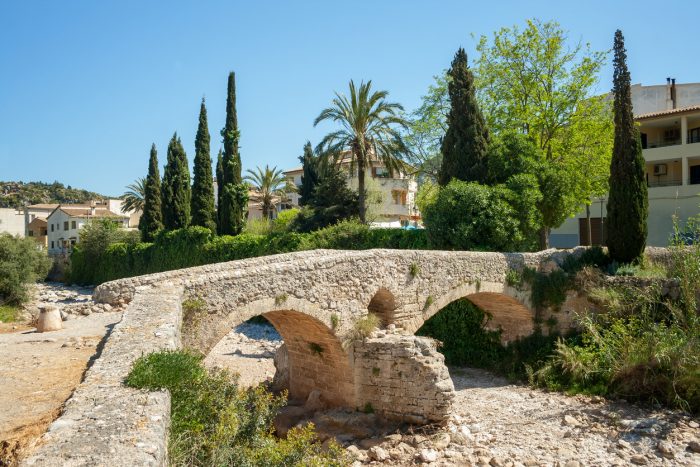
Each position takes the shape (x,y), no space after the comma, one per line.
(21,263)
(470,216)
(194,246)
(464,341)
(214,422)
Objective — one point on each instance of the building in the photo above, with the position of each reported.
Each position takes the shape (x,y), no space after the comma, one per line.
(38,230)
(12,221)
(397,191)
(669,122)
(66,220)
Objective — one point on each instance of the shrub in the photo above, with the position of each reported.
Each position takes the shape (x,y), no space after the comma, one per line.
(258,227)
(470,216)
(214,422)
(641,347)
(464,341)
(284,220)
(21,263)
(363,327)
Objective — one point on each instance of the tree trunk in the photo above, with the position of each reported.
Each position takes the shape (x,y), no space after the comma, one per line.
(361,187)
(588,224)
(544,238)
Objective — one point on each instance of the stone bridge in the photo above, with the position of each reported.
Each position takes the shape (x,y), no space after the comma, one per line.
(315,300)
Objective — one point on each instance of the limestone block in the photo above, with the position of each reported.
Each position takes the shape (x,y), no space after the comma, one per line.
(49,319)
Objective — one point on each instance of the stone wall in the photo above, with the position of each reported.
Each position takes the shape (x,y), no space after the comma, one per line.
(402,377)
(105,422)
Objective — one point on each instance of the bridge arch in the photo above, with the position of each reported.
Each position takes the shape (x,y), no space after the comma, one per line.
(508,308)
(383,304)
(317,360)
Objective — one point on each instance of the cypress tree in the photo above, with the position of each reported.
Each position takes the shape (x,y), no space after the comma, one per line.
(203,212)
(151,219)
(309,178)
(466,141)
(628,202)
(176,192)
(233,206)
(219,178)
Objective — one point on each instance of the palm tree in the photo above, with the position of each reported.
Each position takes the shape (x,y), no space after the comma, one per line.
(134,195)
(370,129)
(269,182)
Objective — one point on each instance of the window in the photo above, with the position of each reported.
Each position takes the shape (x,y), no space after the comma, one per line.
(51,230)
(52,240)
(65,225)
(694,135)
(72,224)
(31,233)
(399,197)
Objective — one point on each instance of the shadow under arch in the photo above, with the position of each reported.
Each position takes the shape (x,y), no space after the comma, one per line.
(383,304)
(317,359)
(507,307)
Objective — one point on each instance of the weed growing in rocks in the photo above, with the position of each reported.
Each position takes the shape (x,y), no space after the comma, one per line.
(363,328)
(214,422)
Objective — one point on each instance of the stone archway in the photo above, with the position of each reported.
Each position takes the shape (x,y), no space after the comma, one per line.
(383,304)
(317,360)
(506,306)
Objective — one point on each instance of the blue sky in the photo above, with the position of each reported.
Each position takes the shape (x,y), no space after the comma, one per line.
(86,86)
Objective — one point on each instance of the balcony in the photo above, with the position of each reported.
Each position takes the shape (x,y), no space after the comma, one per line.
(651,183)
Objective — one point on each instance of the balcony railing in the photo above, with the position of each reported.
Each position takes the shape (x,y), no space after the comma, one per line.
(662,144)
(666,182)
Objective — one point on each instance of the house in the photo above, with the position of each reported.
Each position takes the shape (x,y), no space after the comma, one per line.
(66,220)
(397,191)
(669,123)
(12,221)
(38,230)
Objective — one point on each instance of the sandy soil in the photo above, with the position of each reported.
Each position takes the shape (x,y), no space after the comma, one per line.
(38,373)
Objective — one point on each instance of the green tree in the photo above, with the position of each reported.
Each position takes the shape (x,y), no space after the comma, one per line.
(176,193)
(203,211)
(332,200)
(133,197)
(219,178)
(233,197)
(628,201)
(309,178)
(152,218)
(270,182)
(21,263)
(535,82)
(427,127)
(370,128)
(466,141)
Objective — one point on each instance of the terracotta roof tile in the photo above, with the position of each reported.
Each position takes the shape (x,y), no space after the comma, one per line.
(663,113)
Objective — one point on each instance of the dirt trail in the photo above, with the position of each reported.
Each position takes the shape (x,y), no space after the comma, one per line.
(38,372)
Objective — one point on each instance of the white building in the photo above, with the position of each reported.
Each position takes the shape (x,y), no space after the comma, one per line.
(669,122)
(64,224)
(398,190)
(12,221)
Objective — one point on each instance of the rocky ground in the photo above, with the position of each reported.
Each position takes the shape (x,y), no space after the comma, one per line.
(248,350)
(38,371)
(495,423)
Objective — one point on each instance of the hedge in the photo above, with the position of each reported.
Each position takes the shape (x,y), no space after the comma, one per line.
(195,246)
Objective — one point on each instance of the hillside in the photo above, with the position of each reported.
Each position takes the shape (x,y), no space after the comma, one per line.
(17,194)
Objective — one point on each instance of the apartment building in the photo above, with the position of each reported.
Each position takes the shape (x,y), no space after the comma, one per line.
(669,123)
(397,191)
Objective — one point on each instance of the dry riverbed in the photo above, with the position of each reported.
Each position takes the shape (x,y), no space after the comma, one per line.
(39,371)
(494,423)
